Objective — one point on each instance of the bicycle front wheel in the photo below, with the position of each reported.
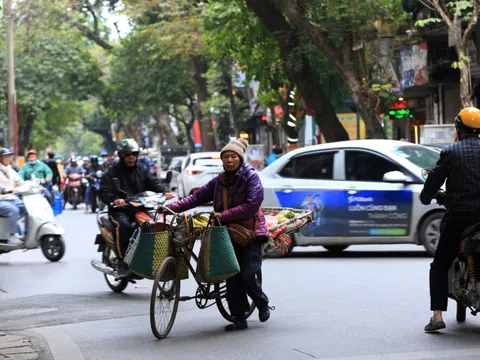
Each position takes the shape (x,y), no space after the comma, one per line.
(222,303)
(165,297)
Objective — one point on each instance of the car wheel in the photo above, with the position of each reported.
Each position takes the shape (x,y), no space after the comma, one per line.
(429,232)
(336,248)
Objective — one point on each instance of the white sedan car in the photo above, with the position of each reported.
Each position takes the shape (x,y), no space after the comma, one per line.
(197,170)
(361,192)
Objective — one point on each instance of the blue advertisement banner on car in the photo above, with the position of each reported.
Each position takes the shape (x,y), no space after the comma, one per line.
(364,213)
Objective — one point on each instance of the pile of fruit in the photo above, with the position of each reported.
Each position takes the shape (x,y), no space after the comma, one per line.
(280,218)
(200,221)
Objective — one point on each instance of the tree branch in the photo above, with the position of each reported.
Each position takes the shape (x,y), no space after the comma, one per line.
(118,30)
(303,25)
(470,26)
(93,36)
(443,15)
(90,9)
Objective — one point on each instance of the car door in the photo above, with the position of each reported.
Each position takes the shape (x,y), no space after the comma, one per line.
(180,180)
(376,208)
(308,181)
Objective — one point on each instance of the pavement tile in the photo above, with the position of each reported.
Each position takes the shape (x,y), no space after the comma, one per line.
(17,343)
(15,347)
(18,350)
(22,357)
(9,338)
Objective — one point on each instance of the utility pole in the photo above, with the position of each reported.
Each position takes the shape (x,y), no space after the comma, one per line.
(12,111)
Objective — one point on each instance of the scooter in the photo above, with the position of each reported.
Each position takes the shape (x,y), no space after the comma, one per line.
(463,286)
(73,190)
(42,230)
(144,205)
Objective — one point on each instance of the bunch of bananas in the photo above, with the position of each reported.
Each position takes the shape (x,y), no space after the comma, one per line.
(200,221)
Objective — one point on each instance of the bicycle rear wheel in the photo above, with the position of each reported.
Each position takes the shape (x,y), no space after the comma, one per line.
(222,303)
(165,297)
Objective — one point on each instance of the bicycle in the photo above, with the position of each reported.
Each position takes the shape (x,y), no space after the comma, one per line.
(166,289)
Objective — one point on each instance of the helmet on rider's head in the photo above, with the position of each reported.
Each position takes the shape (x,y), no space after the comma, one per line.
(103,153)
(127,146)
(468,120)
(72,160)
(86,158)
(93,158)
(32,152)
(5,152)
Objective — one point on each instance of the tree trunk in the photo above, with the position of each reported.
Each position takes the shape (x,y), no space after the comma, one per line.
(227,78)
(25,132)
(465,80)
(188,131)
(199,68)
(164,128)
(306,79)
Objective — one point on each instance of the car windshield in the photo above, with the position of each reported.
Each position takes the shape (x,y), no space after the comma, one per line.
(422,157)
(207,162)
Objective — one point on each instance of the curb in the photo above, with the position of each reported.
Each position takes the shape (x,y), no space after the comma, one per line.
(16,347)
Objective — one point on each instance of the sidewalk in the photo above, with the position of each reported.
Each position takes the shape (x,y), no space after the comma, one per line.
(16,347)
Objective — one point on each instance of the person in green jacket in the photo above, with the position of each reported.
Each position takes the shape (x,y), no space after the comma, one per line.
(35,167)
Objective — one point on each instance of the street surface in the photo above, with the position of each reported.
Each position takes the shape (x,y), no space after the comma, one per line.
(370,302)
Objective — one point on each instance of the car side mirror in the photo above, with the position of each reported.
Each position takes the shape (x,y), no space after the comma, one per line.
(178,168)
(395,177)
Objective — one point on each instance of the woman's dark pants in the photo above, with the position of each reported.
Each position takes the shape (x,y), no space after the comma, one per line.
(245,282)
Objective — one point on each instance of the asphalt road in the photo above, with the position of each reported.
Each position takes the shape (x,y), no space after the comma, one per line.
(370,302)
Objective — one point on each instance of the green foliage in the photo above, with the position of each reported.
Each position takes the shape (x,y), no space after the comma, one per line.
(426,22)
(54,73)
(79,140)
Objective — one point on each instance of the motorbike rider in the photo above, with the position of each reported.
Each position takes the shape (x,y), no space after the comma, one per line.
(86,163)
(133,179)
(106,162)
(459,165)
(52,164)
(144,160)
(90,174)
(72,168)
(35,167)
(10,205)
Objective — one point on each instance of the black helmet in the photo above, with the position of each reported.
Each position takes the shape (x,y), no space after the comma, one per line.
(5,152)
(93,158)
(126,146)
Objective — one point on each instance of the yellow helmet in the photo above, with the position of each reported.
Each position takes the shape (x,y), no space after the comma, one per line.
(469,119)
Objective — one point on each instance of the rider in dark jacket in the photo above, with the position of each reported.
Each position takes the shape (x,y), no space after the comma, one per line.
(459,165)
(133,180)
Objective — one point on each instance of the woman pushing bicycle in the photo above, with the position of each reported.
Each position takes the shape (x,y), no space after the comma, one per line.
(237,195)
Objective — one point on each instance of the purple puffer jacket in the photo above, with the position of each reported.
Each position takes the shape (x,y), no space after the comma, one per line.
(243,206)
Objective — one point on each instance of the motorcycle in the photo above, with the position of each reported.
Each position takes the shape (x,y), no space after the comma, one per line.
(94,184)
(144,205)
(42,230)
(73,190)
(463,286)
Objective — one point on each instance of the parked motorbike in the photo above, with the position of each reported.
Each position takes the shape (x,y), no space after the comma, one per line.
(144,205)
(42,230)
(73,190)
(94,184)
(463,286)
